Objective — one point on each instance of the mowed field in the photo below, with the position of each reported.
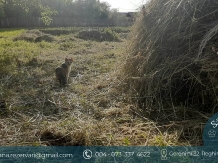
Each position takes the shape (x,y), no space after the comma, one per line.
(91,110)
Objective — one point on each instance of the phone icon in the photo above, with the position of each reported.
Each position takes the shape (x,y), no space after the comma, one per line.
(87,154)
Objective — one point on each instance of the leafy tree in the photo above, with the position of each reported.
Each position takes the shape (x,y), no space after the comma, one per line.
(46,14)
(104,10)
(91,9)
(26,8)
(2,11)
(46,9)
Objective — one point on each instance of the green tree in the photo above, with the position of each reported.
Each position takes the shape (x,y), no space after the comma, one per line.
(91,9)
(25,8)
(46,9)
(104,10)
(2,12)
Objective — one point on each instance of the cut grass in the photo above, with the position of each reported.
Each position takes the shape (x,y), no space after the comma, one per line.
(60,31)
(106,35)
(89,111)
(35,36)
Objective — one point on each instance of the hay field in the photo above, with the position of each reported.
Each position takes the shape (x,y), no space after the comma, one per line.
(91,110)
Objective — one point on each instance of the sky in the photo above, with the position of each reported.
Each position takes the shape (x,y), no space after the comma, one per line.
(125,5)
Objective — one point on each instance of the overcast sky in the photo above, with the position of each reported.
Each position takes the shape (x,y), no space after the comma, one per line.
(125,5)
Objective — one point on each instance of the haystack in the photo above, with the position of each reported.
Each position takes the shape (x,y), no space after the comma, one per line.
(173,58)
(35,35)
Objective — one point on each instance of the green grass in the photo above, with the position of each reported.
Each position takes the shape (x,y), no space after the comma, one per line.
(12,54)
(5,32)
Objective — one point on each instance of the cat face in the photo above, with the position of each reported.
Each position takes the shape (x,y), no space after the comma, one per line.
(68,60)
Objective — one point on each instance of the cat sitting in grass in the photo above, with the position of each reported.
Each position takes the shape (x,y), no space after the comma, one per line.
(63,72)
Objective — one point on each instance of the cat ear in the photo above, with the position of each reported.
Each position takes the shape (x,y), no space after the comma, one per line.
(71,59)
(66,59)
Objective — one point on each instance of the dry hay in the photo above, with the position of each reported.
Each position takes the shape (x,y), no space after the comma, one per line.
(50,137)
(35,35)
(172,59)
(60,31)
(106,35)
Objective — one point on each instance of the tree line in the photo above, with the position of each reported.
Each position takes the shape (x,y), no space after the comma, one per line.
(46,9)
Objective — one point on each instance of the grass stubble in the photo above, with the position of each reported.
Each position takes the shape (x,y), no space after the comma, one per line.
(89,111)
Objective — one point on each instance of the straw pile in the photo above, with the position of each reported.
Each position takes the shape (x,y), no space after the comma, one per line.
(35,36)
(173,58)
